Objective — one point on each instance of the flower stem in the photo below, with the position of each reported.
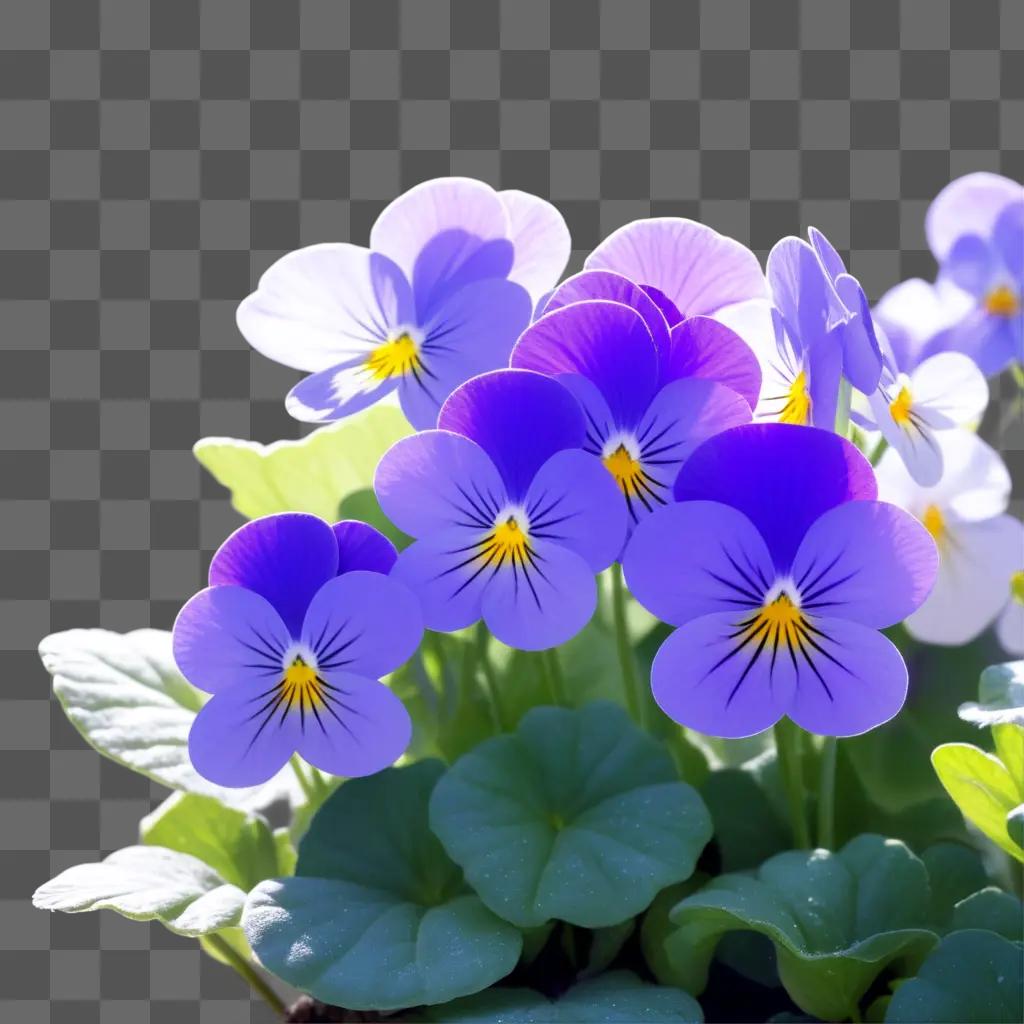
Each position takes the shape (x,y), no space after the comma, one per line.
(308,790)
(827,794)
(876,455)
(842,425)
(787,747)
(255,981)
(488,682)
(636,699)
(555,677)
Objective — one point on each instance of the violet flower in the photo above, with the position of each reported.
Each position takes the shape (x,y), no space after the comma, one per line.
(298,623)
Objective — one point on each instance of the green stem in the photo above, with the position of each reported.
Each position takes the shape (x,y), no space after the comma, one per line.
(843,409)
(1018,374)
(855,1014)
(248,972)
(305,784)
(636,699)
(555,677)
(787,747)
(827,794)
(488,683)
(876,455)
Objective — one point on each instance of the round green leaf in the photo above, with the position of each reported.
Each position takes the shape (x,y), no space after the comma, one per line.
(971,976)
(992,910)
(377,916)
(836,919)
(578,815)
(615,998)
(1000,697)
(955,872)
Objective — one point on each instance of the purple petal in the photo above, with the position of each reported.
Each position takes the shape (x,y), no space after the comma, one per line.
(607,343)
(1008,239)
(336,392)
(993,342)
(519,418)
(541,239)
(361,546)
(695,558)
(574,502)
(408,223)
(604,284)
(970,265)
(862,355)
(704,348)
(228,636)
(705,677)
(243,735)
(694,267)
(802,291)
(668,309)
(830,260)
(362,727)
(867,561)
(859,683)
(364,623)
(285,558)
(781,477)
(972,203)
(453,260)
(321,306)
(824,364)
(448,575)
(544,605)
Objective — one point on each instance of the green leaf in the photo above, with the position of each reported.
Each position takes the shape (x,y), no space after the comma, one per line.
(377,916)
(578,816)
(748,829)
(982,788)
(364,506)
(239,846)
(992,910)
(605,946)
(955,872)
(668,959)
(836,919)
(1000,697)
(125,696)
(971,976)
(314,474)
(616,998)
(1009,741)
(147,883)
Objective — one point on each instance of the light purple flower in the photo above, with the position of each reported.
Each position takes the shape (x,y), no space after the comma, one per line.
(298,623)
(441,294)
(512,519)
(779,567)
(649,394)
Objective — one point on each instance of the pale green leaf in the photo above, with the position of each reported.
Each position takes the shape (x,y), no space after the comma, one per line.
(1000,696)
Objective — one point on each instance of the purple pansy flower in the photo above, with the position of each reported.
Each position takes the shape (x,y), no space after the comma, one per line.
(975,229)
(642,388)
(779,567)
(441,294)
(817,330)
(512,518)
(290,637)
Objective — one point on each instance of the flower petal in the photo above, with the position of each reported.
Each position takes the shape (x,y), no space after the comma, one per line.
(949,385)
(364,623)
(451,261)
(519,418)
(606,342)
(866,561)
(285,558)
(824,365)
(409,222)
(854,682)
(780,476)
(361,546)
(696,268)
(706,348)
(574,502)
(1010,628)
(229,636)
(337,392)
(970,264)
(862,355)
(968,204)
(544,605)
(320,306)
(913,440)
(803,293)
(243,735)
(435,480)
(363,728)
(541,239)
(971,586)
(695,558)
(1008,238)
(706,677)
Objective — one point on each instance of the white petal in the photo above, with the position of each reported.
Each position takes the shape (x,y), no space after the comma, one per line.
(913,441)
(914,311)
(318,306)
(970,204)
(1010,628)
(541,239)
(951,385)
(416,216)
(971,587)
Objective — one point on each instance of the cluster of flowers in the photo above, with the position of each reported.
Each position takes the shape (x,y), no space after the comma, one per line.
(673,408)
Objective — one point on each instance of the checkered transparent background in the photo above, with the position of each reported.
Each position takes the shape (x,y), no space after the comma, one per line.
(156,157)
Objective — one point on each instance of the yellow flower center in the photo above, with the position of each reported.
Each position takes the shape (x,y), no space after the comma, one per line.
(798,402)
(1017,587)
(781,618)
(626,470)
(1002,301)
(934,522)
(900,407)
(508,542)
(302,687)
(394,358)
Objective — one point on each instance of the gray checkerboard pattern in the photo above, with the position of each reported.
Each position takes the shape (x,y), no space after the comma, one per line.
(156,157)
